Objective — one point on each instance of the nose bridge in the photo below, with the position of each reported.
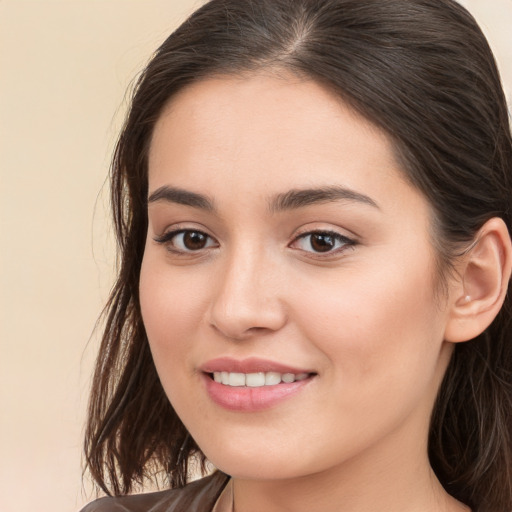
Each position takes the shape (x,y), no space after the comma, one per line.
(247,298)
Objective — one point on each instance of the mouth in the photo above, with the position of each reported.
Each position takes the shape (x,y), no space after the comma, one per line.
(257,379)
(253,384)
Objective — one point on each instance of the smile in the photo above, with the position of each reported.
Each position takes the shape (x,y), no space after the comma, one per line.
(253,384)
(256,380)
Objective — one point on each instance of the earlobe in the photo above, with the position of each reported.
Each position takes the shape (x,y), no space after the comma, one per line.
(484,275)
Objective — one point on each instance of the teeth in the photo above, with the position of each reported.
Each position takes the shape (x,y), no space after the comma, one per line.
(237,379)
(256,380)
(272,378)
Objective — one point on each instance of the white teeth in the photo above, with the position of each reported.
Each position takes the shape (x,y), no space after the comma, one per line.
(272,378)
(257,380)
(237,379)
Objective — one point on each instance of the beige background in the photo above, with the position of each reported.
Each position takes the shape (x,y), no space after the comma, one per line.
(64,69)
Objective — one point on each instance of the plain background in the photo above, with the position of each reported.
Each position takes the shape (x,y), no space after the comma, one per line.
(64,69)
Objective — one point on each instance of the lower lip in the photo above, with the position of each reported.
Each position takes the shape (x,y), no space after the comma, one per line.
(247,399)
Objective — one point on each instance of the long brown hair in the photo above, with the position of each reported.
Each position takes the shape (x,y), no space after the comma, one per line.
(423,72)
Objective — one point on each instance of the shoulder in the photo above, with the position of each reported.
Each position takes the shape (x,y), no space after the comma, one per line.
(198,496)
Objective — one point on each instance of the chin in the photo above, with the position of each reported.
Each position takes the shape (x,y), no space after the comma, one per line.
(256,471)
(254,466)
(262,463)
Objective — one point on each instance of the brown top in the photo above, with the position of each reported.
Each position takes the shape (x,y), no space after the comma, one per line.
(198,496)
(225,503)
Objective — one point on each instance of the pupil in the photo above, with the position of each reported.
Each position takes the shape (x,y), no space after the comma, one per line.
(194,241)
(322,243)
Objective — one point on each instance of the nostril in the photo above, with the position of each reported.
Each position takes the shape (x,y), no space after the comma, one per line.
(258,329)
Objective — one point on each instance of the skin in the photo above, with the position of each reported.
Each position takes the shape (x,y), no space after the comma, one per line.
(366,317)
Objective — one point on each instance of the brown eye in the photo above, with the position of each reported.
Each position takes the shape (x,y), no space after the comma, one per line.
(186,240)
(194,240)
(322,242)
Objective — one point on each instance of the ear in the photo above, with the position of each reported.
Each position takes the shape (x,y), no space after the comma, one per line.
(484,273)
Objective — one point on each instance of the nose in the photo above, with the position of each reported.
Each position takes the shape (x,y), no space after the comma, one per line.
(248,297)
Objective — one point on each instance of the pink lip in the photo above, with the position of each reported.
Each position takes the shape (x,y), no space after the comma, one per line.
(248,399)
(250,365)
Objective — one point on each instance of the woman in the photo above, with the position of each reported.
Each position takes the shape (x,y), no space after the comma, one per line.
(313,205)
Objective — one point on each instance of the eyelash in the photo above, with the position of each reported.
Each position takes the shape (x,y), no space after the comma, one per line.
(167,239)
(343,241)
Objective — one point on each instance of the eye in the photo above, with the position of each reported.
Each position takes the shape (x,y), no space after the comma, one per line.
(322,242)
(186,240)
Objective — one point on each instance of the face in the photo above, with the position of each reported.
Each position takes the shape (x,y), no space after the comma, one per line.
(288,281)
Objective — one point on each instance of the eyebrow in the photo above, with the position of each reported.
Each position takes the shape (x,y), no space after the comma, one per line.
(181,196)
(295,199)
(291,200)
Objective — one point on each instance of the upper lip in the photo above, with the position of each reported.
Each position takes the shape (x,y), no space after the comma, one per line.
(249,365)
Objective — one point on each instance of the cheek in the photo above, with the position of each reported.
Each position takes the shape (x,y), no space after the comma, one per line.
(172,304)
(378,326)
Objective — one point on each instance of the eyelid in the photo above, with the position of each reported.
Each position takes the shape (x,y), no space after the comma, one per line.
(180,227)
(167,237)
(347,242)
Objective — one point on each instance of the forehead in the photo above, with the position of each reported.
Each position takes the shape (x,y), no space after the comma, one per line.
(265,134)
(259,105)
